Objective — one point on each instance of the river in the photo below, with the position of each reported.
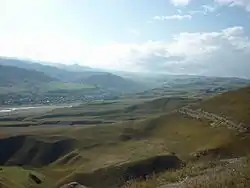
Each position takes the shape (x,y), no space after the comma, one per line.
(10,110)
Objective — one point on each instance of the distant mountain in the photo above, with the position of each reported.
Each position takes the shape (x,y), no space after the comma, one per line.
(76,68)
(201,81)
(111,81)
(13,76)
(61,74)
(199,86)
(77,74)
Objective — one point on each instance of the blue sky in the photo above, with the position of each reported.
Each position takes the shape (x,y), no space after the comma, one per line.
(174,36)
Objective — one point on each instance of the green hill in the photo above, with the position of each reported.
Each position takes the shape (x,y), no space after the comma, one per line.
(180,141)
(234,105)
(27,82)
(22,86)
(196,86)
(13,76)
(112,82)
(105,80)
(60,74)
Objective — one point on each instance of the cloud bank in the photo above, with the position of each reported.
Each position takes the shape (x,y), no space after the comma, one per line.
(223,53)
(180,2)
(240,3)
(174,17)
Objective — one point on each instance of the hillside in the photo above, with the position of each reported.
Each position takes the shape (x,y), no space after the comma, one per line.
(234,104)
(77,68)
(175,141)
(113,82)
(196,86)
(36,83)
(113,152)
(55,72)
(13,76)
(23,86)
(69,73)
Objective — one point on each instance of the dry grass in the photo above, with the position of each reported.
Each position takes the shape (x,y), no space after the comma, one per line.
(17,177)
(201,175)
(234,105)
(100,147)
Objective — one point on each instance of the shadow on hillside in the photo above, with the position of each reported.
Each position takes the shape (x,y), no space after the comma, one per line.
(30,151)
(115,176)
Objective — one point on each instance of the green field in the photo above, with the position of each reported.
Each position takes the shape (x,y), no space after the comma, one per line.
(46,87)
(67,86)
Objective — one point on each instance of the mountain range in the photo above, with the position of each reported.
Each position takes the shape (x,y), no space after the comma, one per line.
(47,81)
(66,73)
(39,82)
(12,76)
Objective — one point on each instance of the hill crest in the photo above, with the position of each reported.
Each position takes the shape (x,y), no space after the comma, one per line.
(10,75)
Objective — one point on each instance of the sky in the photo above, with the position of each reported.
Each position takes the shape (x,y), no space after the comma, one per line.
(205,37)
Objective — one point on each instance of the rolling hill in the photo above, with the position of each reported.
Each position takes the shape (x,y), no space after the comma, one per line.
(52,71)
(27,82)
(77,68)
(69,73)
(27,86)
(13,76)
(113,82)
(196,86)
(234,105)
(192,142)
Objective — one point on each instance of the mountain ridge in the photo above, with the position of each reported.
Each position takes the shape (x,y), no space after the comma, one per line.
(104,79)
(10,75)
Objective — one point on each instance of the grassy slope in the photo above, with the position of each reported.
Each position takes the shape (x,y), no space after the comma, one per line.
(101,147)
(194,86)
(114,82)
(114,145)
(82,79)
(43,88)
(33,84)
(234,104)
(17,76)
(17,177)
(184,136)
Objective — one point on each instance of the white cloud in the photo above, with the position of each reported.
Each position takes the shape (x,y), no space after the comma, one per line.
(231,3)
(205,9)
(209,8)
(42,46)
(180,2)
(221,53)
(241,3)
(173,17)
